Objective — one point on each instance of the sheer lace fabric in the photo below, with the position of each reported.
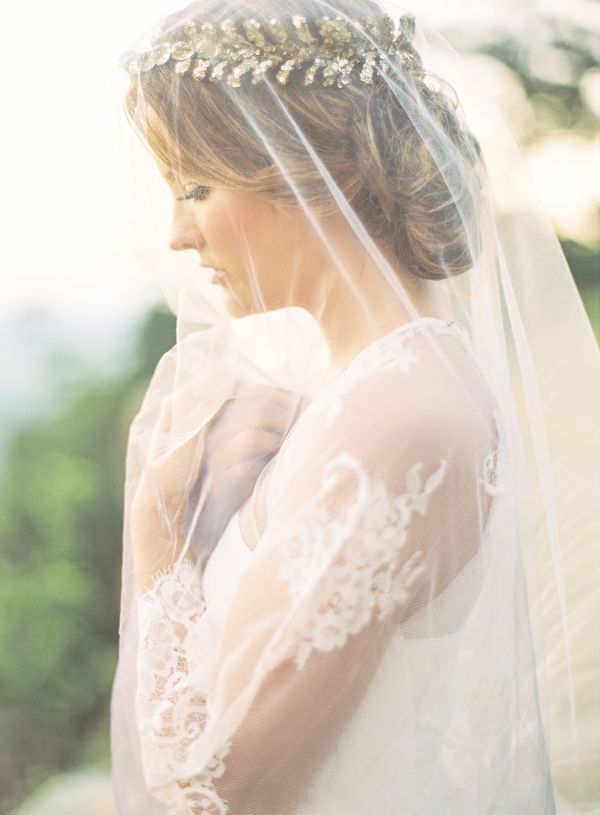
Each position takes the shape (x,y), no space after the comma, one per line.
(335,667)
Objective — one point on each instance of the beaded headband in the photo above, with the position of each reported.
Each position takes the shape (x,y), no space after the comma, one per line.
(210,50)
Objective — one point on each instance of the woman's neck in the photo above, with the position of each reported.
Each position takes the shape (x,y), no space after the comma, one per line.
(359,307)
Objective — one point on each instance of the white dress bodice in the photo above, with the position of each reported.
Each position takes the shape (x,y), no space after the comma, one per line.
(413,669)
(225,565)
(448,720)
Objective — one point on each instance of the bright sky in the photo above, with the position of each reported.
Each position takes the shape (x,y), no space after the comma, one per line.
(75,242)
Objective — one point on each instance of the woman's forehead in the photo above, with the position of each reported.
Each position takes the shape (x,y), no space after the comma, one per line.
(168,171)
(174,177)
(166,154)
(166,168)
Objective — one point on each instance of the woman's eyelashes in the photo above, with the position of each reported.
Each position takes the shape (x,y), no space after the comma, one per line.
(196,192)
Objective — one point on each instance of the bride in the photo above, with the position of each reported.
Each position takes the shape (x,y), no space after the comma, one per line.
(338,498)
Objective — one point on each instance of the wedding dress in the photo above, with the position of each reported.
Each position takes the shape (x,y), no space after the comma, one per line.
(424,725)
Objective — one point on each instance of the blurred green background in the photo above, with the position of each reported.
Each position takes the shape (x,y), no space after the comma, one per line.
(62,482)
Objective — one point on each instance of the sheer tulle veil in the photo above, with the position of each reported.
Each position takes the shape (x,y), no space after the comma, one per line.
(382,318)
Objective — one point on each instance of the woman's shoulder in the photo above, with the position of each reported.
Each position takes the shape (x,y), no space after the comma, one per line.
(401,400)
(425,376)
(398,351)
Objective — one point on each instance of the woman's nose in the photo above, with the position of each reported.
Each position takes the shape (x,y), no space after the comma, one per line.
(185,234)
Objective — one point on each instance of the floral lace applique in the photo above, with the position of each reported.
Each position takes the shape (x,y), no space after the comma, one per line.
(198,796)
(357,554)
(494,476)
(172,711)
(401,358)
(393,351)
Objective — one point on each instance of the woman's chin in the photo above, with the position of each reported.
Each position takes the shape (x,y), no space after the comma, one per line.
(242,304)
(235,305)
(237,310)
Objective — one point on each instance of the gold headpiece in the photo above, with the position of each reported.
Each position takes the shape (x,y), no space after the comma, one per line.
(209,50)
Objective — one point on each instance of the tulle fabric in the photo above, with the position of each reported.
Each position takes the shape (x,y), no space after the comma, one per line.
(351,589)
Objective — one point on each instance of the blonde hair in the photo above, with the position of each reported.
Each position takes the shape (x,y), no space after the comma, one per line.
(361,133)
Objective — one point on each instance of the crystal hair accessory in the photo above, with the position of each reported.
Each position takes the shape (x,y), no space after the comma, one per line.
(210,50)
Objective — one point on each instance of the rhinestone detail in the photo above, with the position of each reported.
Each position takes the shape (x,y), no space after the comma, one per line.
(332,46)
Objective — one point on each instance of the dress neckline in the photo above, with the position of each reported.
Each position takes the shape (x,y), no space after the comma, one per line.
(439,323)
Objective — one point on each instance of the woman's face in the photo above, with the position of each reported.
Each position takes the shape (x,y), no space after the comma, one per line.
(272,259)
(246,237)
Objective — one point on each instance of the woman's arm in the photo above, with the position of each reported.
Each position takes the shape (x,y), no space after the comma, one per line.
(366,524)
(224,459)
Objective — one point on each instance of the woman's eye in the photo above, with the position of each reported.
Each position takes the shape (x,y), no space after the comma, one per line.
(194,191)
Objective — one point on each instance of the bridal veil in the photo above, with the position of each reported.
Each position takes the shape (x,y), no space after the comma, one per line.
(383,397)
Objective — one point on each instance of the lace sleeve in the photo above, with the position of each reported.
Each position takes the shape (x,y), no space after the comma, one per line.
(368,521)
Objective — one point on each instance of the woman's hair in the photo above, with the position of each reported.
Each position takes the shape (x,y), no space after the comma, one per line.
(361,133)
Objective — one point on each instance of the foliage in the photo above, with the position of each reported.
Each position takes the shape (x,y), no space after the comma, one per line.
(583,262)
(61,526)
